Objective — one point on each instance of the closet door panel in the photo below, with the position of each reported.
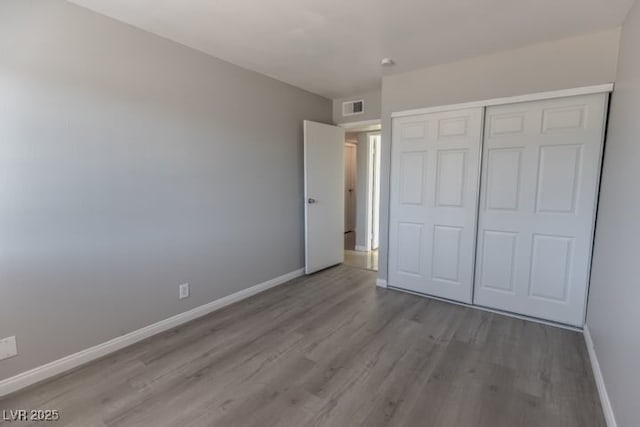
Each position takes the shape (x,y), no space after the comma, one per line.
(541,168)
(434,196)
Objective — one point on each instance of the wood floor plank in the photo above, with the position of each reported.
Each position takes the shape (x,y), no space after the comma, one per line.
(332,349)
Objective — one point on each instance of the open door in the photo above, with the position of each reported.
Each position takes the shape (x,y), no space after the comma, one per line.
(350,202)
(324,195)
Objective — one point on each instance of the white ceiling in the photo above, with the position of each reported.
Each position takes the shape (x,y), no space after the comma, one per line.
(333,47)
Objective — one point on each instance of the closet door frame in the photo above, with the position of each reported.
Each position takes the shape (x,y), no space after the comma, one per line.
(435,178)
(541,227)
(586,90)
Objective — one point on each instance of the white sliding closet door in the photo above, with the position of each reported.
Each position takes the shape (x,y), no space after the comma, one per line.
(434,195)
(541,169)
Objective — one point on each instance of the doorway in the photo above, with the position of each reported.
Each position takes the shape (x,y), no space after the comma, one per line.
(362,195)
(350,202)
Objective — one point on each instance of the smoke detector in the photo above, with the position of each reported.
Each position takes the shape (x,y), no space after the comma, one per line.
(387,62)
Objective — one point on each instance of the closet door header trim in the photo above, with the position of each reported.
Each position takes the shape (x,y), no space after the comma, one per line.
(586,90)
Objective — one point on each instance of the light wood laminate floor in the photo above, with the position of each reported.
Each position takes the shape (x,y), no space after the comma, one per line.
(368,260)
(334,350)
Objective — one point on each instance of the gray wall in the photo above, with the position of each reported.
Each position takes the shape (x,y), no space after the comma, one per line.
(128,165)
(613,313)
(580,61)
(372,108)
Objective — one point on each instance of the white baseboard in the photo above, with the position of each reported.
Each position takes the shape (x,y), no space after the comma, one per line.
(381,283)
(67,363)
(360,248)
(597,373)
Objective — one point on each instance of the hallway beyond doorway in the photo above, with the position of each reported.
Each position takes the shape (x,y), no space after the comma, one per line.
(367,260)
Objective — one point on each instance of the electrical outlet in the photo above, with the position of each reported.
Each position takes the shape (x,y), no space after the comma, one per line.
(8,348)
(184,290)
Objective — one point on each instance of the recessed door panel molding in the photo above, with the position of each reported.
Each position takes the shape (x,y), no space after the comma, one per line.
(412,177)
(451,170)
(414,131)
(442,197)
(558,178)
(446,253)
(506,124)
(497,264)
(550,267)
(453,127)
(410,244)
(503,178)
(539,189)
(568,118)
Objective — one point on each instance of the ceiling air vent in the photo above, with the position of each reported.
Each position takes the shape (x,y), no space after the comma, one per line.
(352,108)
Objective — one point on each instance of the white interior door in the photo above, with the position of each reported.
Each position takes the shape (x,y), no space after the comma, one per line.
(541,168)
(350,187)
(434,196)
(324,195)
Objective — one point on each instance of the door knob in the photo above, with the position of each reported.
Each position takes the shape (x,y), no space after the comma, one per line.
(311,201)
